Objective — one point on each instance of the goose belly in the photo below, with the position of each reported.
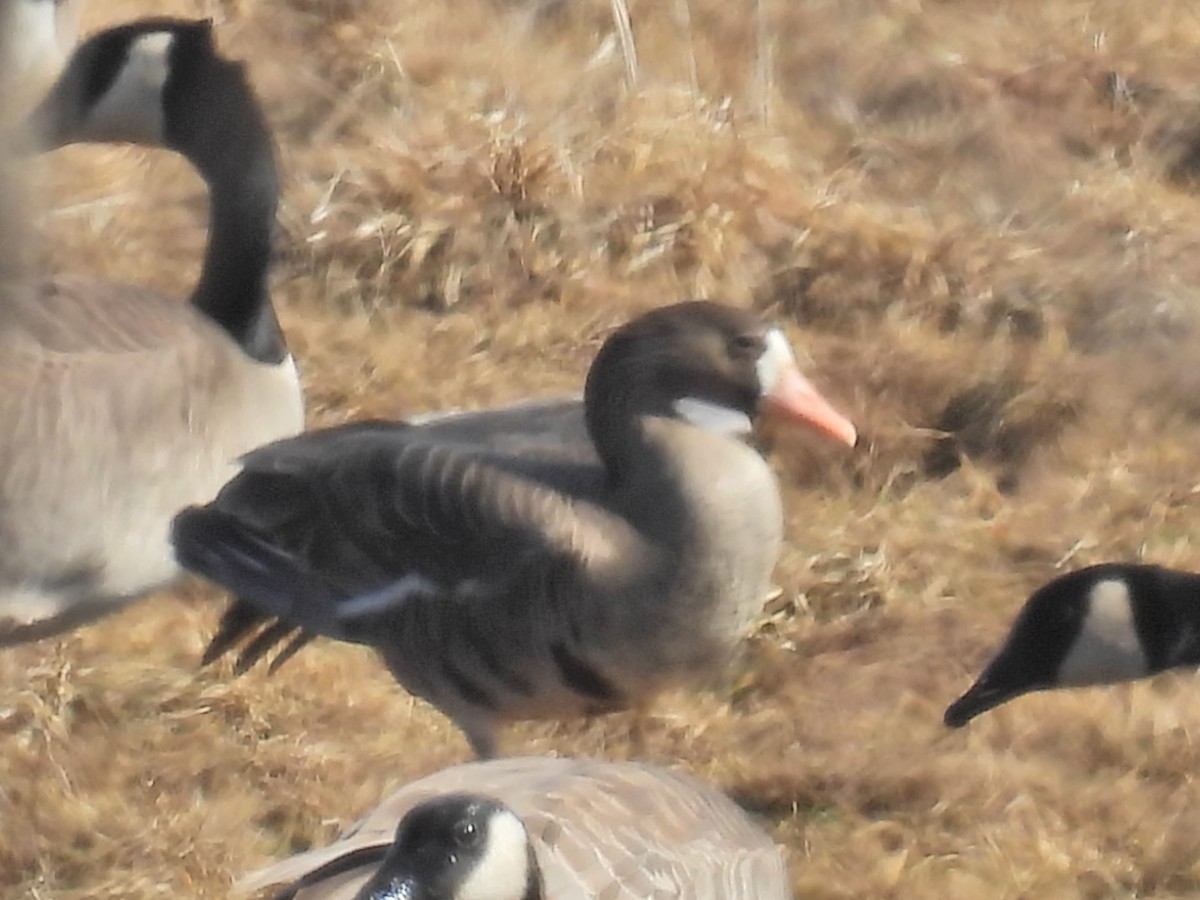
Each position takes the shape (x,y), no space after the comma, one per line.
(85,509)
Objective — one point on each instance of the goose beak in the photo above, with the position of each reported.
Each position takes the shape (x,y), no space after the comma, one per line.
(794,399)
(979,699)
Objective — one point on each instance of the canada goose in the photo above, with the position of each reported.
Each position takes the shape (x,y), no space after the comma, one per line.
(37,34)
(545,828)
(119,406)
(1100,625)
(503,585)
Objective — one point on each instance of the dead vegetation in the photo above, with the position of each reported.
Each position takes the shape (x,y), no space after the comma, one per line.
(982,217)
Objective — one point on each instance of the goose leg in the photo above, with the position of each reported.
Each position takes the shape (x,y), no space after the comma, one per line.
(482,738)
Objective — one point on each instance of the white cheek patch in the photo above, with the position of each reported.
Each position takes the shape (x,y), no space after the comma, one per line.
(775,360)
(1107,648)
(713,416)
(502,873)
(132,108)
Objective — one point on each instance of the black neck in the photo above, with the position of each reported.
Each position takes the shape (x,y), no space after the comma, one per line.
(214,120)
(1168,619)
(233,289)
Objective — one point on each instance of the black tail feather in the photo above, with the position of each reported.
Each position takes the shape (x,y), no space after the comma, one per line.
(218,546)
(262,644)
(239,620)
(298,643)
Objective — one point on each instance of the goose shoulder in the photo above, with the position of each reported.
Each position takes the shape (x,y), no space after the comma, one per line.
(625,830)
(76,350)
(75,315)
(547,429)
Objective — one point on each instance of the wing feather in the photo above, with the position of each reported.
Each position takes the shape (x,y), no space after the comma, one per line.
(335,532)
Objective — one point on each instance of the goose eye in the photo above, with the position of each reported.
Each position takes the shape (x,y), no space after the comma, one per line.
(744,346)
(466,835)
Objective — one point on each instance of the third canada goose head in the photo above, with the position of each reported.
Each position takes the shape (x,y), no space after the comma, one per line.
(161,83)
(457,847)
(1100,625)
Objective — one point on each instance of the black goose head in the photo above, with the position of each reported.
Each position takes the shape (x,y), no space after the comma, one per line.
(716,366)
(158,82)
(120,85)
(457,847)
(1098,625)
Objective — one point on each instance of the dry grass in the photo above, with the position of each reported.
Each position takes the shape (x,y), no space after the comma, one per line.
(983,218)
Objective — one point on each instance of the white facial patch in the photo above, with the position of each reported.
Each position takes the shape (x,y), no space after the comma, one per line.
(502,873)
(132,108)
(1107,648)
(776,359)
(713,416)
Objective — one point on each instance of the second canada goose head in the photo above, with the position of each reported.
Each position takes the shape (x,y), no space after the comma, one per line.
(709,364)
(457,847)
(161,83)
(1100,625)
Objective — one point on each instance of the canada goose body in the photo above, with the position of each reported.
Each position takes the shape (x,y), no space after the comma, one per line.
(502,585)
(546,828)
(1100,625)
(119,406)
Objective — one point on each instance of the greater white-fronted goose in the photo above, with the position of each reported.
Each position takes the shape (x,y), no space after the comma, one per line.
(119,406)
(504,585)
(539,827)
(1100,625)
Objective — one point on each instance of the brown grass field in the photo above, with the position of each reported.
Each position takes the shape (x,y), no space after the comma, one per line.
(982,221)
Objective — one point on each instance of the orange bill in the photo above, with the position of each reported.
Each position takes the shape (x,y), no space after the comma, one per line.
(794,399)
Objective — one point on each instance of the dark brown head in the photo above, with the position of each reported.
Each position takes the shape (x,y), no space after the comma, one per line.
(718,367)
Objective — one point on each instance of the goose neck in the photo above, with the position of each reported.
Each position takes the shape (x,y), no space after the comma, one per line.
(230,146)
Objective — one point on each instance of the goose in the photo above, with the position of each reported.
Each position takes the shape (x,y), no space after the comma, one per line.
(503,585)
(546,828)
(1104,624)
(119,406)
